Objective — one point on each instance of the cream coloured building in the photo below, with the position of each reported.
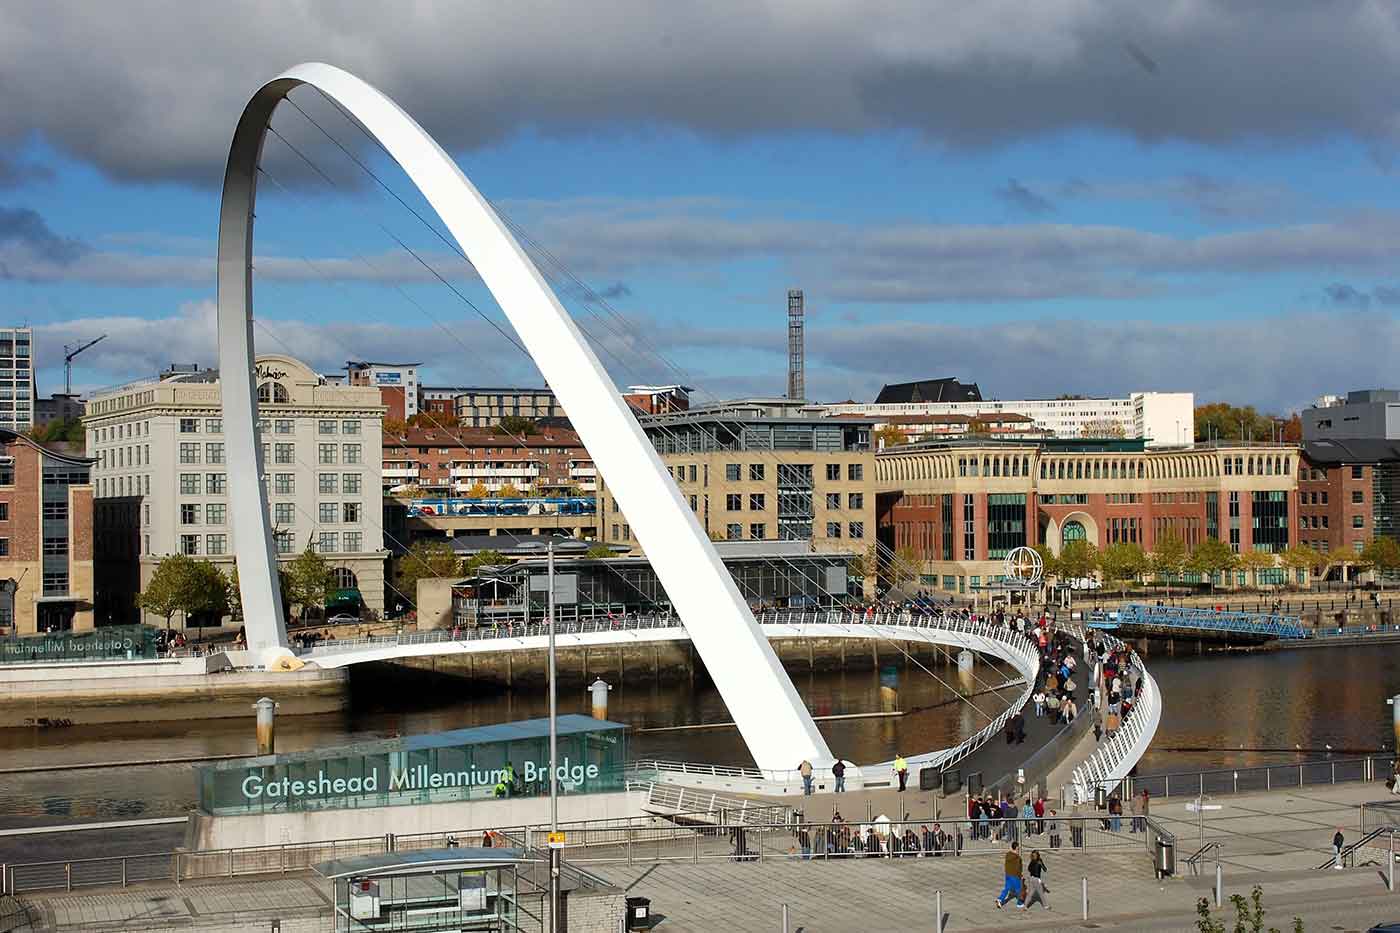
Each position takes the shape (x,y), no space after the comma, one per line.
(160,442)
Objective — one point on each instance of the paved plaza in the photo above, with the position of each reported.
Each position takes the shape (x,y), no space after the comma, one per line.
(1270,839)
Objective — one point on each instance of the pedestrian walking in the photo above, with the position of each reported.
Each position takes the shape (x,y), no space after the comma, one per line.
(1036,880)
(1337,842)
(1052,828)
(1012,869)
(805,769)
(901,770)
(838,771)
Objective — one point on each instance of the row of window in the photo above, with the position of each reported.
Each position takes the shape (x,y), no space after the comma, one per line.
(123,486)
(211,426)
(328,542)
(733,472)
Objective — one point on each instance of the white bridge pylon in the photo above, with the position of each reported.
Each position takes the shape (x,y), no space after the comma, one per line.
(771,717)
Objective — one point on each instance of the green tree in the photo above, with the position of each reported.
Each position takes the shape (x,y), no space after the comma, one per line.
(1302,557)
(1212,556)
(1049,563)
(1078,559)
(1169,558)
(65,430)
(598,551)
(1223,421)
(1382,554)
(902,568)
(183,584)
(1121,562)
(486,558)
(1254,561)
(309,581)
(1249,915)
(424,560)
(516,426)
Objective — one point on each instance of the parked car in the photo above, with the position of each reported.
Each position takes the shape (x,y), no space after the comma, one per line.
(1085,583)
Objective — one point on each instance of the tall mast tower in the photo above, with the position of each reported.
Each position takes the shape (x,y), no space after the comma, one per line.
(797,364)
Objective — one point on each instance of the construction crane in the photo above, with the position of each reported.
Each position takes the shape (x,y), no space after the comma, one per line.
(68,353)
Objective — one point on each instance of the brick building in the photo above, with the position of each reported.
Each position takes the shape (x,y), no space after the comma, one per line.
(961,507)
(451,461)
(46,537)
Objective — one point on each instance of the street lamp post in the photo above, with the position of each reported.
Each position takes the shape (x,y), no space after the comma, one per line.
(553,755)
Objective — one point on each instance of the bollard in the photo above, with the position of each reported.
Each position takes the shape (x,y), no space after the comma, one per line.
(1084,897)
(598,691)
(938,917)
(267,711)
(1390,866)
(1219,885)
(785,918)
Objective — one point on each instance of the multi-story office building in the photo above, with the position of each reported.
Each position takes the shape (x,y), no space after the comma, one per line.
(58,407)
(658,400)
(162,441)
(1160,418)
(397,383)
(46,538)
(441,400)
(451,461)
(17,388)
(961,507)
(761,469)
(484,407)
(993,424)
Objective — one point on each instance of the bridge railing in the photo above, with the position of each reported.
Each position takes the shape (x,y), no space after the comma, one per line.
(1117,755)
(1195,618)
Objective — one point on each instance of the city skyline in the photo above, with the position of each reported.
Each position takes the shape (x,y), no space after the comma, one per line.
(1114,225)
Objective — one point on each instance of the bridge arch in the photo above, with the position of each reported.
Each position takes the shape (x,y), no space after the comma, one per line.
(771,717)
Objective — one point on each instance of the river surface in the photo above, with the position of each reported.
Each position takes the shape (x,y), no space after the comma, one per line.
(1308,698)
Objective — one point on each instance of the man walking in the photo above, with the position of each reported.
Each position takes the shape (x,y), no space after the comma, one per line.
(1337,842)
(838,771)
(1012,866)
(901,768)
(805,769)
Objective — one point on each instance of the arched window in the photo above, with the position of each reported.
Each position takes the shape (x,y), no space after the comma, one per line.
(1073,531)
(274,392)
(343,578)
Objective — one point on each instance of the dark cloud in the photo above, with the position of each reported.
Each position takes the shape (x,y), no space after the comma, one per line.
(1345,296)
(151,90)
(1023,198)
(24,229)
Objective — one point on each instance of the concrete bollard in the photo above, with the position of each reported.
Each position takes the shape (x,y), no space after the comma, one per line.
(965,660)
(267,714)
(598,690)
(938,916)
(1219,884)
(1084,897)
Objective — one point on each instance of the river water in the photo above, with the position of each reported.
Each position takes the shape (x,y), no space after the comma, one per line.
(1308,698)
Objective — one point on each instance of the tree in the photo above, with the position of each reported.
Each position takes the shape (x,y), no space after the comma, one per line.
(1251,562)
(425,560)
(66,430)
(599,551)
(394,427)
(428,420)
(509,491)
(478,490)
(309,580)
(1102,427)
(486,558)
(1121,562)
(1223,421)
(1169,558)
(1049,563)
(1383,555)
(1249,915)
(1078,560)
(979,426)
(1213,556)
(889,435)
(1302,557)
(183,584)
(903,568)
(412,491)
(516,426)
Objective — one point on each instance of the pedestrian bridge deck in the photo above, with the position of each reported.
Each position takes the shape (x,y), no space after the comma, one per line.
(1199,620)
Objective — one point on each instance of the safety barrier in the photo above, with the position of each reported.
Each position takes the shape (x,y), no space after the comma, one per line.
(1118,754)
(1195,619)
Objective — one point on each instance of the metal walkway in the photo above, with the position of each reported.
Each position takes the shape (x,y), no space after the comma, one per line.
(1197,620)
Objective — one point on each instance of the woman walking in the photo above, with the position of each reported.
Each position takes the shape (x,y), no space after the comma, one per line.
(1036,882)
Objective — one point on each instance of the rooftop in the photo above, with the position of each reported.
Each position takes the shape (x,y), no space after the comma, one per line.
(1352,450)
(480,437)
(929,390)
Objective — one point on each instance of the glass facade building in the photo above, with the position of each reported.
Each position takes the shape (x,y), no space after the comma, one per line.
(510,759)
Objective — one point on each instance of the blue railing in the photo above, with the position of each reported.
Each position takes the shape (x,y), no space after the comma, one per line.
(1195,619)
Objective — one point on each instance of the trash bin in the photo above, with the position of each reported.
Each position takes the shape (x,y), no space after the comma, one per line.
(639,913)
(1100,797)
(1166,857)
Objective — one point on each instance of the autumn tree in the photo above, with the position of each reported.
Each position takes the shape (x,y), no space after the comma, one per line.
(510,491)
(979,426)
(1223,421)
(600,551)
(1302,557)
(1253,562)
(889,435)
(1121,562)
(1382,554)
(1169,558)
(1211,557)
(1103,427)
(424,560)
(478,490)
(516,426)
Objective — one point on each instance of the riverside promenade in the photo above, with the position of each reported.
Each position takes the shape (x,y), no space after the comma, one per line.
(1275,840)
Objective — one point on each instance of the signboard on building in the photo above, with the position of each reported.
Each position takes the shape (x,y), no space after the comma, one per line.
(565,588)
(383,378)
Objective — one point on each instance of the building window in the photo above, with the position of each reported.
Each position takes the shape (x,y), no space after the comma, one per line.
(855,472)
(215,484)
(189,425)
(856,500)
(352,454)
(189,453)
(213,425)
(350,427)
(1357,472)
(350,483)
(283,513)
(758,531)
(329,513)
(969,528)
(833,472)
(833,500)
(327,483)
(189,484)
(350,512)
(833,529)
(732,532)
(755,472)
(214,545)
(1358,521)
(857,529)
(55,583)
(757,502)
(325,427)
(1006,524)
(283,542)
(283,426)
(285,484)
(214,513)
(692,472)
(5,510)
(56,546)
(214,453)
(4,547)
(189,514)
(328,542)
(326,453)
(731,473)
(354,541)
(733,501)
(1357,497)
(189,544)
(1270,520)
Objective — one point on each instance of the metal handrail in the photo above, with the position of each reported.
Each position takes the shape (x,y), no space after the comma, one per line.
(1349,852)
(1112,760)
(1196,618)
(1194,861)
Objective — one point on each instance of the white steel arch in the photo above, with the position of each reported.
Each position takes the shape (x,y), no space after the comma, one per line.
(772,718)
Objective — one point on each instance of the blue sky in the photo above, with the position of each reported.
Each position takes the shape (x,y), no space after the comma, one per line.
(1092,201)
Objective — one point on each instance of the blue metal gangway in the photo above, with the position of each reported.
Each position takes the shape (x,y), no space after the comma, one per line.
(1198,619)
